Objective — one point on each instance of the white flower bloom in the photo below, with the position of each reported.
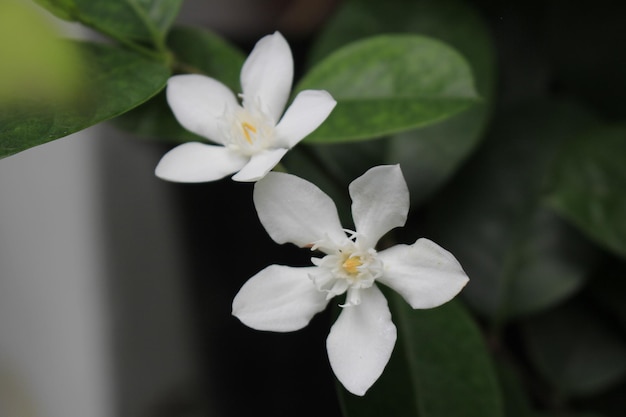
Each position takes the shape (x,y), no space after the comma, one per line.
(282,298)
(252,137)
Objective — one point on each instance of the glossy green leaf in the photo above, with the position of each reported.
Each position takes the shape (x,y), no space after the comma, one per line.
(198,51)
(389,83)
(439,368)
(576,349)
(589,186)
(451,21)
(134,20)
(520,256)
(117,82)
(428,155)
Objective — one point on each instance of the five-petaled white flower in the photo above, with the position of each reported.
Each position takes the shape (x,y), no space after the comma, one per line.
(252,138)
(282,298)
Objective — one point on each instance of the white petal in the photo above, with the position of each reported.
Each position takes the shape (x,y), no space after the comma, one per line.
(260,164)
(199,103)
(294,210)
(279,298)
(307,112)
(380,202)
(425,274)
(197,162)
(361,341)
(267,75)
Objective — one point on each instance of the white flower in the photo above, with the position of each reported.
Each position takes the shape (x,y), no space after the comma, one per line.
(251,139)
(282,298)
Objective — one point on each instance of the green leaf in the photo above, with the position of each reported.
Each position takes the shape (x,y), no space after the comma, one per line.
(451,21)
(196,50)
(519,255)
(428,155)
(589,186)
(439,368)
(134,20)
(60,8)
(118,81)
(576,350)
(389,83)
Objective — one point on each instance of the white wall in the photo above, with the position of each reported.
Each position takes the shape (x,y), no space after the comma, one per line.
(54,355)
(94,321)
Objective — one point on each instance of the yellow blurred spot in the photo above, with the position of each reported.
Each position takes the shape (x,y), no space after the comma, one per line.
(35,64)
(14,399)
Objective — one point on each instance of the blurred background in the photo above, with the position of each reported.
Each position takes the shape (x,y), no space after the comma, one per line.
(115,287)
(97,312)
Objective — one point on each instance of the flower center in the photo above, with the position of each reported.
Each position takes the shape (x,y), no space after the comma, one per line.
(248,131)
(346,268)
(352,264)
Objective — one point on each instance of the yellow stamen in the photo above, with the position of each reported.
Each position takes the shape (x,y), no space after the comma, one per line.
(247,128)
(352,264)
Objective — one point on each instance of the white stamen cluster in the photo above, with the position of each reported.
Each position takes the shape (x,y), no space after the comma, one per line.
(345,268)
(248,131)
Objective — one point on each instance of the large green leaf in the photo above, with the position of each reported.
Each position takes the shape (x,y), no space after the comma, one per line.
(428,155)
(134,20)
(390,83)
(519,255)
(60,8)
(439,368)
(452,21)
(117,82)
(589,186)
(195,50)
(576,349)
